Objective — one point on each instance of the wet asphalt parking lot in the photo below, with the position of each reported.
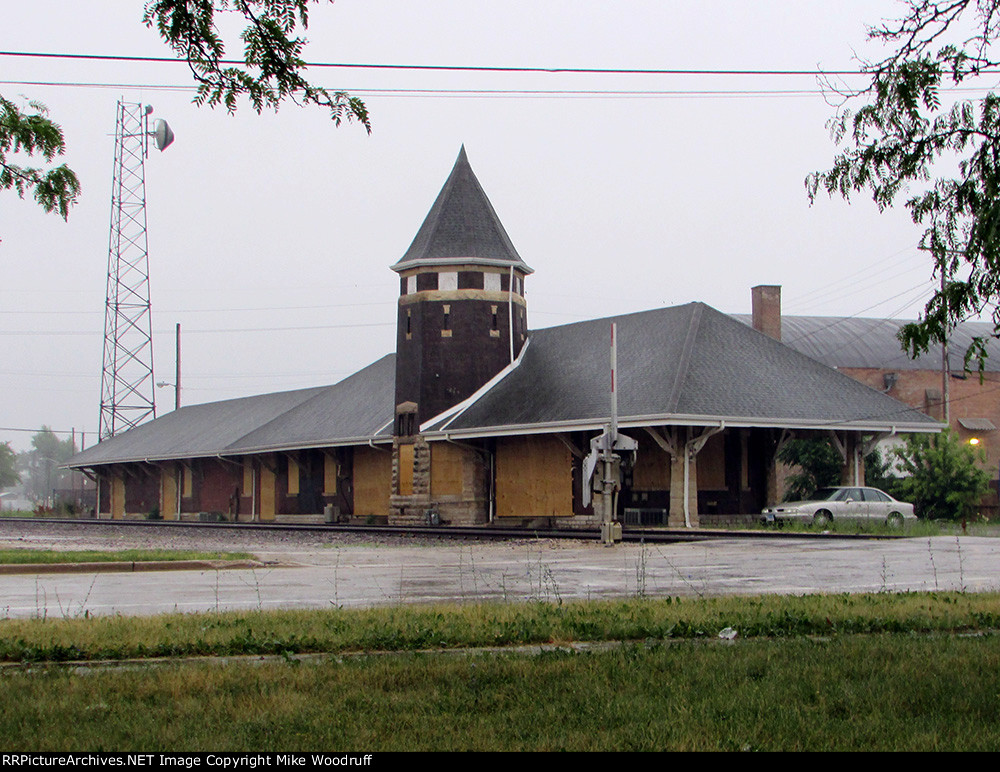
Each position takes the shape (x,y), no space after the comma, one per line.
(321,570)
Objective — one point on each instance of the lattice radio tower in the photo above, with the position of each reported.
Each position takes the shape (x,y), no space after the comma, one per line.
(127,384)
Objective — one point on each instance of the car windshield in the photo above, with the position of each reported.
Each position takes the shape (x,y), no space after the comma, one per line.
(826,494)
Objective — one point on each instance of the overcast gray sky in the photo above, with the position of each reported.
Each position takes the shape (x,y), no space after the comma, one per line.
(619,202)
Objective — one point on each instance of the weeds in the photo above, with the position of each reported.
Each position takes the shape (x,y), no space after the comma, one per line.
(640,570)
(961,564)
(414,627)
(930,554)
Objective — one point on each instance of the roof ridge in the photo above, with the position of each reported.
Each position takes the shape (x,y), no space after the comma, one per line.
(685,359)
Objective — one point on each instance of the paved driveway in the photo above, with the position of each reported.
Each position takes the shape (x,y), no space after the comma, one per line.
(326,571)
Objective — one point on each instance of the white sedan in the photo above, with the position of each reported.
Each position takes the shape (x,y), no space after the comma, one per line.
(828,504)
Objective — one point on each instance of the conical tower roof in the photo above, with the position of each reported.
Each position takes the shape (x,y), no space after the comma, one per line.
(462,228)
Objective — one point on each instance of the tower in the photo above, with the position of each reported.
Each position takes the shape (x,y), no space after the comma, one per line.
(127,379)
(462,315)
(127,370)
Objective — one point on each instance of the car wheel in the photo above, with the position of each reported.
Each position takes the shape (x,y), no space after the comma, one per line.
(895,520)
(822,518)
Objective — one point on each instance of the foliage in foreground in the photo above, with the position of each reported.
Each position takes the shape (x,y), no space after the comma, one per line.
(29,132)
(888,692)
(941,154)
(410,628)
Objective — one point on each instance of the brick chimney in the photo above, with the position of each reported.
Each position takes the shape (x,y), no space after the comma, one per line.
(766,302)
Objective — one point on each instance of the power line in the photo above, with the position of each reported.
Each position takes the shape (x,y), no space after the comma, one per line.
(449,67)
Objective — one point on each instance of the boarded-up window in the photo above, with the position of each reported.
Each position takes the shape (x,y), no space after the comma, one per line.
(267,489)
(372,481)
(168,499)
(447,469)
(117,497)
(448,280)
(491,282)
(712,465)
(406,470)
(293,477)
(652,468)
(247,477)
(330,470)
(534,477)
(187,489)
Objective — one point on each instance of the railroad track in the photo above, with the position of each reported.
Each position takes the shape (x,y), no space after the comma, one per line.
(629,534)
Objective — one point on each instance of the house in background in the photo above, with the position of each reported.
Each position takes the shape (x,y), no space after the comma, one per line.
(475,419)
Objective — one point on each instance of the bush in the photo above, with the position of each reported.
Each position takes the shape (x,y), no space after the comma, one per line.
(943,477)
(818,463)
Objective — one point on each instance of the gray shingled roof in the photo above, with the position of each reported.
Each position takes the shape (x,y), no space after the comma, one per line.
(461,227)
(354,410)
(686,363)
(852,342)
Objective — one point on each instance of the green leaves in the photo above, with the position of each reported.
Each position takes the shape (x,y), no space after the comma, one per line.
(904,137)
(818,465)
(271,69)
(942,476)
(8,466)
(31,133)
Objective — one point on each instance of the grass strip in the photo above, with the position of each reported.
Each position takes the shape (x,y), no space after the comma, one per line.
(29,556)
(888,692)
(413,628)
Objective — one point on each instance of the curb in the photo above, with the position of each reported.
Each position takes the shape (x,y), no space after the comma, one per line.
(129,567)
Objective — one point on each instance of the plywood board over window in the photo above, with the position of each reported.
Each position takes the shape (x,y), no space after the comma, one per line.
(117,497)
(447,469)
(330,469)
(712,465)
(168,493)
(652,467)
(267,492)
(406,470)
(372,481)
(534,477)
(247,477)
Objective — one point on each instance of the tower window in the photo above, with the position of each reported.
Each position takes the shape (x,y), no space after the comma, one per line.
(448,280)
(411,284)
(409,326)
(446,322)
(495,328)
(491,282)
(470,280)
